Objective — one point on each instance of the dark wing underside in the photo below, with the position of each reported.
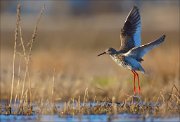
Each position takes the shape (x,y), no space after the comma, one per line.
(131,32)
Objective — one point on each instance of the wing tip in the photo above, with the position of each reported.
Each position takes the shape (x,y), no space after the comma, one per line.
(163,37)
(159,40)
(135,7)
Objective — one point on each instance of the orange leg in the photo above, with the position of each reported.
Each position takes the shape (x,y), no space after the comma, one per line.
(139,90)
(134,81)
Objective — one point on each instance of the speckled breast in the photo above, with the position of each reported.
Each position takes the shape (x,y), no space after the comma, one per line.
(120,60)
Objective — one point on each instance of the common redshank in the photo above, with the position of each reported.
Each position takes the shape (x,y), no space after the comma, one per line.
(131,51)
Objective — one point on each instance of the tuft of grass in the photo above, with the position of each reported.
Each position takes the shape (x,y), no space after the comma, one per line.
(24,98)
(132,104)
(14,54)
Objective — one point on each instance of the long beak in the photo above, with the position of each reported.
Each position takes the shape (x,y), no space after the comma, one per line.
(102,53)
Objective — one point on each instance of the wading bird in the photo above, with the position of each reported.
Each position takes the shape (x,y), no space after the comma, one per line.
(131,51)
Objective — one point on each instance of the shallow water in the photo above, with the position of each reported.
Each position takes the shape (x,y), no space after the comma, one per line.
(86,118)
(124,117)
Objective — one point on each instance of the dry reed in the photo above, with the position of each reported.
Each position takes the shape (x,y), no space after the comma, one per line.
(14,54)
(25,97)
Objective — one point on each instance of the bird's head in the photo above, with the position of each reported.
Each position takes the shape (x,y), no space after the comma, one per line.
(109,51)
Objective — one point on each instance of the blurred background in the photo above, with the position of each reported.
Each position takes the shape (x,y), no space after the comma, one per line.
(70,35)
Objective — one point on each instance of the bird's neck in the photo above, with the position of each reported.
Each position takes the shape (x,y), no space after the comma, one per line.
(121,51)
(113,55)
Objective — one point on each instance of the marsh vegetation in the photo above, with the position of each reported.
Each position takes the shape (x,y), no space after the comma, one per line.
(58,73)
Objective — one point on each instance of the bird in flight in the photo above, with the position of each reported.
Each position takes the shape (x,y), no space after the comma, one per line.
(131,52)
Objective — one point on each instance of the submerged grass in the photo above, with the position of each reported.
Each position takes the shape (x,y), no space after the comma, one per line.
(131,104)
(166,104)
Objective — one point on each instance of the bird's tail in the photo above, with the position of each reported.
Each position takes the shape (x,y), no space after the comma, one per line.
(141,69)
(139,52)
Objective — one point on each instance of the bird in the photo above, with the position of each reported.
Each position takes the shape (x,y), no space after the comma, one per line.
(131,52)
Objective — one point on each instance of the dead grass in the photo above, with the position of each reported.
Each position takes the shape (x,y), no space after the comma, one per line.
(131,104)
(21,95)
(165,104)
(78,80)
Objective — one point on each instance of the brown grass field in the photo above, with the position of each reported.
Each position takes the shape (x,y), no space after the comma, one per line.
(63,66)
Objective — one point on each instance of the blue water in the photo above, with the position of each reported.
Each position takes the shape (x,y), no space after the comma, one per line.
(86,118)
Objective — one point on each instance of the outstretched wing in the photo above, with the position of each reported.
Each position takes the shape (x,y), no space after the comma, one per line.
(131,32)
(139,52)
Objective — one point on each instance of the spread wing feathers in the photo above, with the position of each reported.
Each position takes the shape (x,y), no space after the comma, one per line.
(139,52)
(131,32)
